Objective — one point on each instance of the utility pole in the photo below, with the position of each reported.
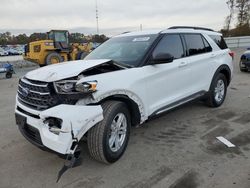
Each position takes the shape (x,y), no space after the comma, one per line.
(97,17)
(141,27)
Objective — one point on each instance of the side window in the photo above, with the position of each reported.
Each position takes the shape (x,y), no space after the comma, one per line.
(219,41)
(170,44)
(207,45)
(195,44)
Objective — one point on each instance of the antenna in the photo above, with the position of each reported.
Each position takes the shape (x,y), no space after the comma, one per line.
(96,12)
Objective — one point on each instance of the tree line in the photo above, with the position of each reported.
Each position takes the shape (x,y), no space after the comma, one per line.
(239,10)
(7,38)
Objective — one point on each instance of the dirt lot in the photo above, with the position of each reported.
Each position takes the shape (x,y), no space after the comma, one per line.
(176,150)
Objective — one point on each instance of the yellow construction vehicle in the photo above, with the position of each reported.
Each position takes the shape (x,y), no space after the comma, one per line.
(55,49)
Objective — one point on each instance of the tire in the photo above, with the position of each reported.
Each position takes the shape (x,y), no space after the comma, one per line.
(217,92)
(101,136)
(8,75)
(53,58)
(81,55)
(242,69)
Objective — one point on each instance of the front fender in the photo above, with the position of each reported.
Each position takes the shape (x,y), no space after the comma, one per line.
(98,97)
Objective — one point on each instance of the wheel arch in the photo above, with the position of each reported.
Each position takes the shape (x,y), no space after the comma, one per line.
(133,107)
(223,69)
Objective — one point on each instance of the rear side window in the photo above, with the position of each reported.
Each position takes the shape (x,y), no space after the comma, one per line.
(170,44)
(219,41)
(207,45)
(195,44)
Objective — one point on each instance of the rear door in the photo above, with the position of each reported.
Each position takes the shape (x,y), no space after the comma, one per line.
(201,61)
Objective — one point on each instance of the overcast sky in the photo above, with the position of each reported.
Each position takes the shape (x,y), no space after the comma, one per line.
(115,16)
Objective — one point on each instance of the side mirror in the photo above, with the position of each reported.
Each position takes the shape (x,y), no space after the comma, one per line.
(161,58)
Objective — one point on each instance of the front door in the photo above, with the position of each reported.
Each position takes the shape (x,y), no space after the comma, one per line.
(168,82)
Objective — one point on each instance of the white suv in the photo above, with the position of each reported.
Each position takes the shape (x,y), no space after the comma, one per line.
(122,83)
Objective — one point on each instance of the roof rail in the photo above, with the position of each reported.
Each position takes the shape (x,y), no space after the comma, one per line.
(126,32)
(190,27)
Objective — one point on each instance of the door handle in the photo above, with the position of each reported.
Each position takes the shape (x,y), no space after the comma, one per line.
(183,64)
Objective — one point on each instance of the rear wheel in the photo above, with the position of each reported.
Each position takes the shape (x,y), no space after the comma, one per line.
(108,139)
(218,91)
(53,58)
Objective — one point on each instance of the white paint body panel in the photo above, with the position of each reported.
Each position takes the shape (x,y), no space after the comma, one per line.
(63,70)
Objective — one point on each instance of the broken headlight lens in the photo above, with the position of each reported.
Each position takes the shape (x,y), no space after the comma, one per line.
(65,86)
(87,87)
(70,87)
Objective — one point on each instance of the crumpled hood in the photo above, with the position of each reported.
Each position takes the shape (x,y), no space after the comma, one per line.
(64,70)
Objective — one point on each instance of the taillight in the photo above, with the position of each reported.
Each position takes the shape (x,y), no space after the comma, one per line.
(231,54)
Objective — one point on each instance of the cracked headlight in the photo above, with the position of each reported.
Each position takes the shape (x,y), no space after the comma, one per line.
(87,87)
(70,87)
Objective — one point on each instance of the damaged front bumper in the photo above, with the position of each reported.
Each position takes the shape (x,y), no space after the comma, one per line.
(73,121)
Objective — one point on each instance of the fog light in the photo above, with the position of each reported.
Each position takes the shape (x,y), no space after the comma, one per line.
(54,124)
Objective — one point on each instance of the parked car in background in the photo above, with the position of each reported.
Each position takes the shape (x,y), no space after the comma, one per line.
(19,51)
(245,61)
(13,51)
(3,52)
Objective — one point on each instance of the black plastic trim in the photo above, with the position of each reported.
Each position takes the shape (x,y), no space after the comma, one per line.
(178,103)
(221,68)
(190,27)
(27,113)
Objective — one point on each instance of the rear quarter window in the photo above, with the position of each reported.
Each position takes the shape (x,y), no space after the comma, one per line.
(219,41)
(196,44)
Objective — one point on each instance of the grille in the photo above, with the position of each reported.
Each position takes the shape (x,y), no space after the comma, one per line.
(35,94)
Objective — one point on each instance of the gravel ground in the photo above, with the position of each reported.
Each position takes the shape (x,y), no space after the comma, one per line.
(176,150)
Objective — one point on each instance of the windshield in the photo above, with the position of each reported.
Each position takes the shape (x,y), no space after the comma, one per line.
(127,50)
(59,36)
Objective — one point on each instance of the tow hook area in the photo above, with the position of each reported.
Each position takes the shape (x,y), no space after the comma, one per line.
(73,159)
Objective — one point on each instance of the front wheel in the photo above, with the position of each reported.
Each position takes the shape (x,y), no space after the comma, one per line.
(107,140)
(218,91)
(53,58)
